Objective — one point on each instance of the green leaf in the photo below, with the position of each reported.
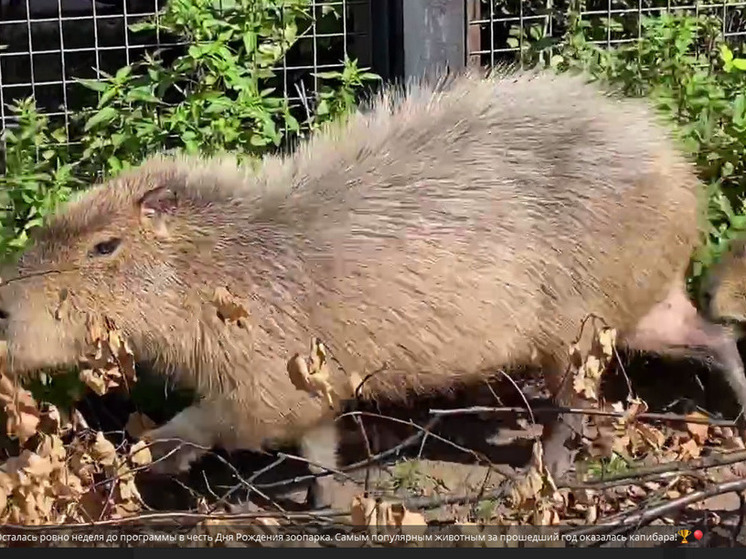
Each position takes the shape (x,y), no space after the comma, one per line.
(250,42)
(740,63)
(327,75)
(104,116)
(257,140)
(123,73)
(95,85)
(725,53)
(142,26)
(141,94)
(108,96)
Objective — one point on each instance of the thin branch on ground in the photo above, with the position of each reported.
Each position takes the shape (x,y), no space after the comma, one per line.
(409,441)
(669,417)
(640,475)
(361,428)
(634,520)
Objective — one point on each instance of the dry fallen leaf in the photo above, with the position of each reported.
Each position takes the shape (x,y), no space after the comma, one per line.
(588,370)
(95,329)
(140,454)
(312,374)
(53,448)
(109,361)
(123,355)
(22,413)
(138,423)
(103,450)
(55,483)
(545,516)
(362,510)
(652,436)
(690,449)
(698,430)
(398,516)
(98,382)
(382,516)
(230,309)
(607,341)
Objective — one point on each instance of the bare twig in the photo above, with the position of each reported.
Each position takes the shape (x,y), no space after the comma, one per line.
(251,480)
(435,502)
(363,463)
(361,427)
(327,469)
(639,475)
(180,517)
(584,411)
(477,455)
(642,518)
(525,401)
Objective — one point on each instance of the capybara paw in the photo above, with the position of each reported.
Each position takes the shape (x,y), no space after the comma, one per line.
(172,456)
(558,458)
(321,493)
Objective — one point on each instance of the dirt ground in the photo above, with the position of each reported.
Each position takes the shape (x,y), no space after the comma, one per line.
(413,467)
(463,455)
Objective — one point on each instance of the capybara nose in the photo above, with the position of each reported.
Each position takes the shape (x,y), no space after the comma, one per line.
(4,315)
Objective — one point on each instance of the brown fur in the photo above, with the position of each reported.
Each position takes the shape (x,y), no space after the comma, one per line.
(437,237)
(724,289)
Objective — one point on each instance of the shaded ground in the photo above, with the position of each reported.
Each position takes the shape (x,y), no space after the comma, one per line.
(454,457)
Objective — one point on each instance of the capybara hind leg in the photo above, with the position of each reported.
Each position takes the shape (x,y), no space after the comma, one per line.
(320,447)
(559,444)
(184,439)
(562,434)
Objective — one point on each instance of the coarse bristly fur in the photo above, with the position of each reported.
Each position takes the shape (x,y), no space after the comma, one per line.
(436,237)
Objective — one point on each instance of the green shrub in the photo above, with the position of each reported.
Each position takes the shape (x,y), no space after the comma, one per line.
(221,94)
(38,174)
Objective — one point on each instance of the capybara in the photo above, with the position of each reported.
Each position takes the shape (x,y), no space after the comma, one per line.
(723,293)
(442,233)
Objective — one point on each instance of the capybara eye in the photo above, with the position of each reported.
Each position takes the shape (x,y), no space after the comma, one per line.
(105,248)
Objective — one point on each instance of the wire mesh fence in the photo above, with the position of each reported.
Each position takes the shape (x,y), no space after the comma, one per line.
(498,30)
(48,44)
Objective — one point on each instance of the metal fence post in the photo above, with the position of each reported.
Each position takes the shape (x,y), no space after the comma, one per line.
(387,54)
(434,36)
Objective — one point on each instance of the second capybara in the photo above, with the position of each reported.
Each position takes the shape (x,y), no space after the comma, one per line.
(723,293)
(440,234)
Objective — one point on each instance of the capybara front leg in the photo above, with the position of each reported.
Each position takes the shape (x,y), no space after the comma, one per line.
(176,445)
(320,447)
(560,443)
(562,435)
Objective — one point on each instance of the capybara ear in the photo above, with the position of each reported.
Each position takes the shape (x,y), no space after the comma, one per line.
(155,206)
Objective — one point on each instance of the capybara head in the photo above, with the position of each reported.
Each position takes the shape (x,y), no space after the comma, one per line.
(114,252)
(723,296)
